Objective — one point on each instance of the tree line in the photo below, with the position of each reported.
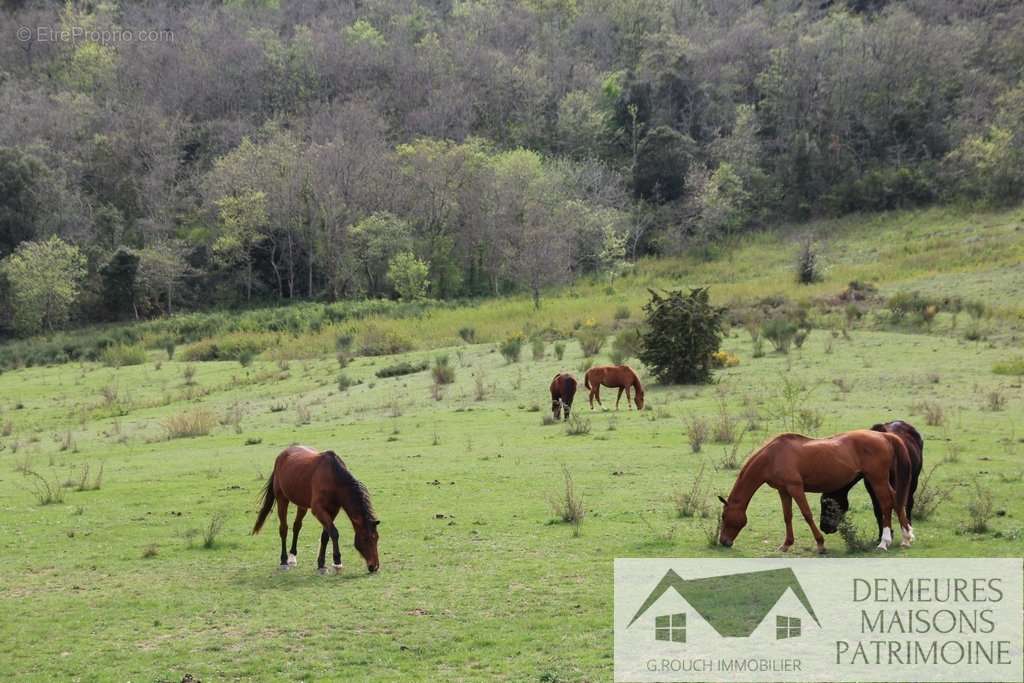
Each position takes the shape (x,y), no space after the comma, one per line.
(265,150)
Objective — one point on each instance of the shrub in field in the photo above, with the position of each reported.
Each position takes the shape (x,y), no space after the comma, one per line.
(683,331)
(808,267)
(559,350)
(537,346)
(344,382)
(47,492)
(375,341)
(933,412)
(906,304)
(213,529)
(229,347)
(697,431)
(724,359)
(930,495)
(628,343)
(622,313)
(191,424)
(512,348)
(995,400)
(853,539)
(577,425)
(693,502)
(122,355)
(567,505)
(1014,366)
(591,340)
(442,372)
(980,509)
(403,368)
(780,332)
(468,334)
(800,337)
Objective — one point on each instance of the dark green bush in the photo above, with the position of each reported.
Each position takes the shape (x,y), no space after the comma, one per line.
(403,368)
(682,333)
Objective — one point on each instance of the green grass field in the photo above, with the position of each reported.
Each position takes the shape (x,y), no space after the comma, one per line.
(479,579)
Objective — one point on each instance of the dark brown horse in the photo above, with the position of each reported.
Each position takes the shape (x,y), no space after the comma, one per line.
(836,504)
(563,389)
(319,482)
(621,377)
(794,464)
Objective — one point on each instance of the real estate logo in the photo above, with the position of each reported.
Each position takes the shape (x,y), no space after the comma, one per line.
(818,620)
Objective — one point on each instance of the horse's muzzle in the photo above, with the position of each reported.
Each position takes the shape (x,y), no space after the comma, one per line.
(726,542)
(372,568)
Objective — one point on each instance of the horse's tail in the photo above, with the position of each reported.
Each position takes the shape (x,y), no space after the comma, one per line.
(268,502)
(903,471)
(586,379)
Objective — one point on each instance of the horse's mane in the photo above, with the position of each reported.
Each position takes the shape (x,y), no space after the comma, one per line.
(636,382)
(345,478)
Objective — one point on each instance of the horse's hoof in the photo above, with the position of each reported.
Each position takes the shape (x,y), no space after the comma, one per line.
(284,567)
(784,548)
(821,549)
(338,567)
(326,571)
(292,560)
(882,546)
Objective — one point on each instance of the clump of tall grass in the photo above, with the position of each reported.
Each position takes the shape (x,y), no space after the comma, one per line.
(442,372)
(403,368)
(1013,366)
(693,502)
(567,504)
(577,425)
(188,425)
(591,340)
(121,355)
(697,431)
(512,348)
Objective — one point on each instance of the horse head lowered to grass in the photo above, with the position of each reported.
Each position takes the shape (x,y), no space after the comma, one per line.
(322,483)
(794,464)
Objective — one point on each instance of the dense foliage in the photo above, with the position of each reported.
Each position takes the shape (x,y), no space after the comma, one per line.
(264,149)
(683,332)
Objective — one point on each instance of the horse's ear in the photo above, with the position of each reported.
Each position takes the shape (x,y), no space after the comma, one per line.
(376,522)
(722,499)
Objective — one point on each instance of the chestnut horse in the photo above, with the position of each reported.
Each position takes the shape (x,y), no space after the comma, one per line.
(319,482)
(794,464)
(621,377)
(836,504)
(563,389)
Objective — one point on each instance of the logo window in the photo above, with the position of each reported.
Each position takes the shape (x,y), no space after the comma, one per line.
(787,627)
(671,627)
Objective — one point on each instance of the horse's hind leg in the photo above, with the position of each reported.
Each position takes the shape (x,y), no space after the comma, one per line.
(282,515)
(787,515)
(618,398)
(801,500)
(293,555)
(885,495)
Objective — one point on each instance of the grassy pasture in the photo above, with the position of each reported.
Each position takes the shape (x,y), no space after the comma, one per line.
(479,578)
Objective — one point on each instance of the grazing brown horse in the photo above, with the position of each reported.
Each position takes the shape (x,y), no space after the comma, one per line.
(621,377)
(563,389)
(794,464)
(319,482)
(836,504)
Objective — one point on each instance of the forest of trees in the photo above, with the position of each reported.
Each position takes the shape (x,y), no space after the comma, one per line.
(255,151)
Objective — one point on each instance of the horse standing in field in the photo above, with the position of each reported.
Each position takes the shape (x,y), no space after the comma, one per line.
(794,464)
(319,482)
(836,504)
(563,389)
(621,377)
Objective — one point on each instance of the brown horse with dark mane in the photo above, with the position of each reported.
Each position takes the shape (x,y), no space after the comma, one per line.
(621,377)
(563,390)
(322,483)
(794,464)
(836,504)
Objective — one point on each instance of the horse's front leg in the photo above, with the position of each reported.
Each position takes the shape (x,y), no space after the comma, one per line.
(797,492)
(293,554)
(618,398)
(629,399)
(787,516)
